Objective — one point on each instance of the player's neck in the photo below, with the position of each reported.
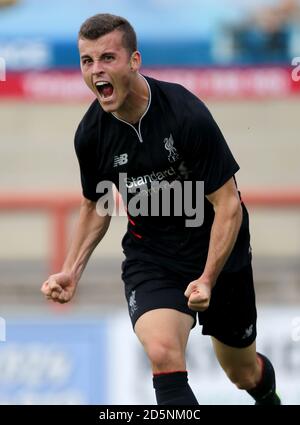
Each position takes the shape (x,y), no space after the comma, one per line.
(136,103)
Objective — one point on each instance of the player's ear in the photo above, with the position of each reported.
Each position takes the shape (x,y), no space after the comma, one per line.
(135,61)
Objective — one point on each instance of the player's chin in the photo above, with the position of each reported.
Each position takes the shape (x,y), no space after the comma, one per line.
(108,109)
(109,105)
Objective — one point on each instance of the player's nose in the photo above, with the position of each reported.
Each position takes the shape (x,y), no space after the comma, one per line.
(97,68)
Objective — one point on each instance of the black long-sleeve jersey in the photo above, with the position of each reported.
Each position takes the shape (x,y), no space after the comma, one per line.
(176,140)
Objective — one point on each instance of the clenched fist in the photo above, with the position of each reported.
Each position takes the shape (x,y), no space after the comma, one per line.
(199,294)
(60,287)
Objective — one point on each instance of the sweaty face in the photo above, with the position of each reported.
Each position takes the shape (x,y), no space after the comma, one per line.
(108,69)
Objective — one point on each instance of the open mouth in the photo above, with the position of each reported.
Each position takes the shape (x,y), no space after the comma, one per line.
(105,89)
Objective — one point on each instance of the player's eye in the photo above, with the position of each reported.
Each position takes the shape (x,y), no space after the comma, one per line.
(108,58)
(86,61)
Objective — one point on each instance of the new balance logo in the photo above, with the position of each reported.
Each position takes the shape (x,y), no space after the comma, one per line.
(121,159)
(248,332)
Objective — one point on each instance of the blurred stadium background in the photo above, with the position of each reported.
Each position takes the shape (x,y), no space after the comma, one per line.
(241,59)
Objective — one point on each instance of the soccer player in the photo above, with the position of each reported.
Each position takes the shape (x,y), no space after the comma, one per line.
(138,132)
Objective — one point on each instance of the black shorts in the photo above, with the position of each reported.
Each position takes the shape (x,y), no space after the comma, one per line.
(231,316)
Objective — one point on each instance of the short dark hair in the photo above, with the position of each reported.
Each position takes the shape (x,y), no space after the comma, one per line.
(104,23)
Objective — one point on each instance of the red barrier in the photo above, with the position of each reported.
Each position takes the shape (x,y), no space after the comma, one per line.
(269,82)
(60,205)
(284,198)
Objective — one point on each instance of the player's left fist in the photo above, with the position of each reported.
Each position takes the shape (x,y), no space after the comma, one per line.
(198,294)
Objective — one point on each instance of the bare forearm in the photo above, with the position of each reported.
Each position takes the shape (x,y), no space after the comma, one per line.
(223,236)
(89,231)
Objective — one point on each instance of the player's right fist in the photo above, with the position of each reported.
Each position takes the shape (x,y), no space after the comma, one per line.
(59,287)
